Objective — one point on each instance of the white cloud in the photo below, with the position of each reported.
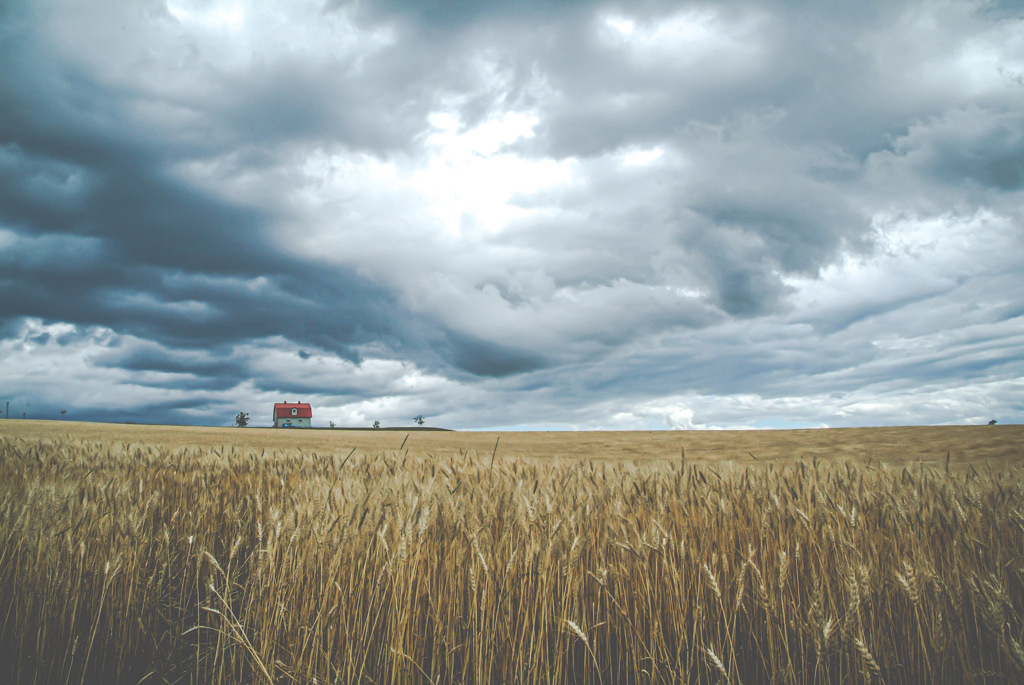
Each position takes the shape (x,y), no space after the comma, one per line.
(471,183)
(230,17)
(915,259)
(694,36)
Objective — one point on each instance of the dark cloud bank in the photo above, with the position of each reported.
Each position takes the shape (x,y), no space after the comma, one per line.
(582,215)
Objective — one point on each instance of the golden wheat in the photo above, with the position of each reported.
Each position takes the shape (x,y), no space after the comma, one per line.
(125,563)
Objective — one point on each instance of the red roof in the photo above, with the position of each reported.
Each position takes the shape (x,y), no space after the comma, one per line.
(283,410)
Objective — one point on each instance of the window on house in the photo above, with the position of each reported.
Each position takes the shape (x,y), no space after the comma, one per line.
(295,412)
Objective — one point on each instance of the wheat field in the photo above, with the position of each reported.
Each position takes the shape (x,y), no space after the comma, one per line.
(158,555)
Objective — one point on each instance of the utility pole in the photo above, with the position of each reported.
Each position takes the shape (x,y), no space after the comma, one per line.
(8,409)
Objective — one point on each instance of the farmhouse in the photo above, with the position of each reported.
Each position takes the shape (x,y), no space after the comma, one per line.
(293,415)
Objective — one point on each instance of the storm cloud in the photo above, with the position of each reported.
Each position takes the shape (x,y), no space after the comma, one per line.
(560,215)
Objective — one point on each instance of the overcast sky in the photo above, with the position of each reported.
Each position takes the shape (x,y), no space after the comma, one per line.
(631,215)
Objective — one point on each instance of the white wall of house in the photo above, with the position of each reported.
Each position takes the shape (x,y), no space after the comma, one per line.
(293,421)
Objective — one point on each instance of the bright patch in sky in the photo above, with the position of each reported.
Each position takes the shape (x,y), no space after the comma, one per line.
(229,17)
(642,157)
(688,37)
(471,179)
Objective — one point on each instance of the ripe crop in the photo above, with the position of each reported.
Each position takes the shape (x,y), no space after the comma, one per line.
(126,563)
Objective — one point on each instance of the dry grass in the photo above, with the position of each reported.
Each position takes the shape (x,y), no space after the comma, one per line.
(901,445)
(132,562)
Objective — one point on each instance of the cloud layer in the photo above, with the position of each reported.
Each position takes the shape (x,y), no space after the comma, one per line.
(574,215)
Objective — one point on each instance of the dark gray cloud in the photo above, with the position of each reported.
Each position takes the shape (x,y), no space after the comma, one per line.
(104,234)
(971,148)
(580,214)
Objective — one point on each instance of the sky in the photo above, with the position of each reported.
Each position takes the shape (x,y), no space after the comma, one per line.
(524,215)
